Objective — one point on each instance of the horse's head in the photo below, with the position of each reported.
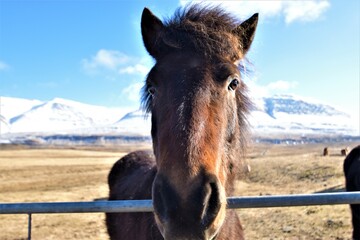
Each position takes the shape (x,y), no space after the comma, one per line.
(198,105)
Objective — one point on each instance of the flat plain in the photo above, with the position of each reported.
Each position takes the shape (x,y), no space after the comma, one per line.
(80,174)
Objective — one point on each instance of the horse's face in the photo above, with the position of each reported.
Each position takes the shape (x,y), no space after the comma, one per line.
(197,107)
(194,120)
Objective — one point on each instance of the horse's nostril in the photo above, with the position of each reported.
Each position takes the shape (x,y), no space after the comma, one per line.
(212,204)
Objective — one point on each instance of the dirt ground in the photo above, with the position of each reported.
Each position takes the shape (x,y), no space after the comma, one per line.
(47,175)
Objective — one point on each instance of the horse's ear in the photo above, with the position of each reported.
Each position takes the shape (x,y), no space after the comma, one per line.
(246,32)
(151,30)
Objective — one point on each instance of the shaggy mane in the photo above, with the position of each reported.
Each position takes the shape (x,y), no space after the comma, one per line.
(206,30)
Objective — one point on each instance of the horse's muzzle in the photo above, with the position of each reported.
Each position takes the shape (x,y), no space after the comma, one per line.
(194,214)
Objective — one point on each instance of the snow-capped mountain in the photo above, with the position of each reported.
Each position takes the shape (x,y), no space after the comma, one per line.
(287,114)
(134,123)
(291,105)
(21,115)
(282,114)
(12,107)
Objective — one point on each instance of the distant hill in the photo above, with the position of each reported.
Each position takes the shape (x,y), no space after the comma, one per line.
(278,115)
(56,115)
(288,114)
(296,106)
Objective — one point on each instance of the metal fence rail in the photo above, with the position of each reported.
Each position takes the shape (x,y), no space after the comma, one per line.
(146,205)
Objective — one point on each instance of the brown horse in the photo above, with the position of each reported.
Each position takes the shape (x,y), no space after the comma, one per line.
(326,152)
(198,106)
(352,177)
(345,151)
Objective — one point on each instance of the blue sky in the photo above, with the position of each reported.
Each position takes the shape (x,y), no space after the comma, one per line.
(92,51)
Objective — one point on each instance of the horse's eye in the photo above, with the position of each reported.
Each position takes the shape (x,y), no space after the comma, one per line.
(151,91)
(233,84)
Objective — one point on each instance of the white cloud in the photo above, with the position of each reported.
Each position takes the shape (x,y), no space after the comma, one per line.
(108,59)
(281,85)
(3,66)
(257,90)
(291,10)
(137,68)
(132,92)
(111,62)
(114,65)
(305,10)
(270,89)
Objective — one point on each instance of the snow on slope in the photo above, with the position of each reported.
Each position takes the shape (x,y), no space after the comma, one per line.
(278,114)
(293,115)
(11,107)
(4,125)
(56,115)
(134,123)
(297,106)
(50,116)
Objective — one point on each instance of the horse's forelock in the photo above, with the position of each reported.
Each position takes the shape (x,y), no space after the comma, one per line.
(205,30)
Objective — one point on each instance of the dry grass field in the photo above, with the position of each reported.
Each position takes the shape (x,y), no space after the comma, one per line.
(41,175)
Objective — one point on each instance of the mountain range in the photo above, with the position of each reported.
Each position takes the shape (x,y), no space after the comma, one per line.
(279,114)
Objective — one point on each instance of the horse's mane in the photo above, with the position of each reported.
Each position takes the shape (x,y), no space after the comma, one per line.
(206,30)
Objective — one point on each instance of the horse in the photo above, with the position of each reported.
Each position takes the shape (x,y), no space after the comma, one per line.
(198,104)
(326,151)
(344,151)
(352,183)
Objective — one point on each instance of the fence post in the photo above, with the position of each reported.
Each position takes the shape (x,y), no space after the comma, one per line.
(29,225)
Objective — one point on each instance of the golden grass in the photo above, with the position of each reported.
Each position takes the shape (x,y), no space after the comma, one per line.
(295,170)
(42,175)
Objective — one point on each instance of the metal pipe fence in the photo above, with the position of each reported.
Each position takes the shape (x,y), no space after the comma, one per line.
(146,205)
